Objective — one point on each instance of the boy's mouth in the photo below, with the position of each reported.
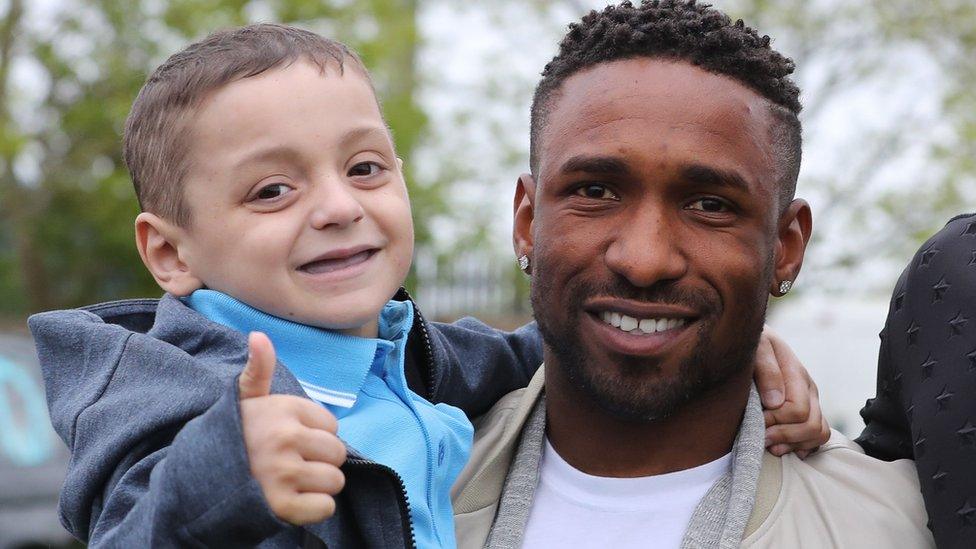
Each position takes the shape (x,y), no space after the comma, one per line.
(338,260)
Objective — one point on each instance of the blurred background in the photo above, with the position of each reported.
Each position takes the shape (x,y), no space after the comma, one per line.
(890,154)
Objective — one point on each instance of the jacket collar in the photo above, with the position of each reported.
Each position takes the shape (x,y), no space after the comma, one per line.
(753,497)
(179,325)
(485,487)
(331,366)
(168,319)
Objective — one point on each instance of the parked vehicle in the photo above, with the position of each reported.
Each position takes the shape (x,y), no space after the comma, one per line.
(32,457)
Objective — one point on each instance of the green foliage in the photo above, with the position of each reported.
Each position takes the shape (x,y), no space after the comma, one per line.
(865,209)
(66,203)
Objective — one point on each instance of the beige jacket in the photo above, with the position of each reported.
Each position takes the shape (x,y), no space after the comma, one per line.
(837,497)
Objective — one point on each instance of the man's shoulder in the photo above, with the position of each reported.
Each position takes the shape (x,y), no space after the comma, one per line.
(843,497)
(500,412)
(843,461)
(496,436)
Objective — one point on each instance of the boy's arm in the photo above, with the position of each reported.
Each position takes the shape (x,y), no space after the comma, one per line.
(196,491)
(479,364)
(158,453)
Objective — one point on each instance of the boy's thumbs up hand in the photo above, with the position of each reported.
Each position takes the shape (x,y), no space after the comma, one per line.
(291,442)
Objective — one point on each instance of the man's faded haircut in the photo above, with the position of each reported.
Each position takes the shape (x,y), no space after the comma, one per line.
(680,30)
(157,139)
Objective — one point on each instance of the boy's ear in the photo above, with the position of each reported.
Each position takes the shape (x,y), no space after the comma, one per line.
(158,242)
(795,227)
(522,237)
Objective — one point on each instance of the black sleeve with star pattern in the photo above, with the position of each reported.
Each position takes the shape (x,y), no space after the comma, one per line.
(925,408)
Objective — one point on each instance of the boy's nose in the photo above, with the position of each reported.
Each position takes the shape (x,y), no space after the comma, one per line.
(336,206)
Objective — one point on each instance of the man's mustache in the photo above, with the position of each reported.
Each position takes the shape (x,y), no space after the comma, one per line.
(665,292)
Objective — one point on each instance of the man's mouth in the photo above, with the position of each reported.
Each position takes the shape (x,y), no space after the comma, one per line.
(338,260)
(633,325)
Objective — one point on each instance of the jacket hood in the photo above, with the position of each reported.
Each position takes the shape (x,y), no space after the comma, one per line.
(80,349)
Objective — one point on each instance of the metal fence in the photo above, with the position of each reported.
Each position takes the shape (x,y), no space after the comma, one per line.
(472,283)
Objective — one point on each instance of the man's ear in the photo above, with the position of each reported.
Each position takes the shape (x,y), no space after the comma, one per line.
(522,237)
(795,226)
(159,247)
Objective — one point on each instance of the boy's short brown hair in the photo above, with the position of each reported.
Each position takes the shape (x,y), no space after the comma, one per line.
(157,131)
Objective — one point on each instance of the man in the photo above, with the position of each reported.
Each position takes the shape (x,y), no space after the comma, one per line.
(658,217)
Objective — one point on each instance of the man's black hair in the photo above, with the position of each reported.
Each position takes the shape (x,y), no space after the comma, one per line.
(680,30)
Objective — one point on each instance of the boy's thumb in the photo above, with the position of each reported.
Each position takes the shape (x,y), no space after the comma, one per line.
(255,380)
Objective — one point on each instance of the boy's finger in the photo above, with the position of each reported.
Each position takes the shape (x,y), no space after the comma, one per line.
(255,380)
(795,377)
(323,447)
(321,478)
(796,407)
(769,379)
(308,507)
(315,415)
(820,423)
(808,435)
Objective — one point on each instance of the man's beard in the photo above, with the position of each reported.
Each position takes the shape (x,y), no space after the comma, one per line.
(637,390)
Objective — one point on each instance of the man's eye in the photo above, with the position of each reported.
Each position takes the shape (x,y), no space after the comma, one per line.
(364,169)
(709,205)
(598,192)
(273,191)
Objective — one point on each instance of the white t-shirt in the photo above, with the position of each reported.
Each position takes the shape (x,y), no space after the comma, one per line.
(574,509)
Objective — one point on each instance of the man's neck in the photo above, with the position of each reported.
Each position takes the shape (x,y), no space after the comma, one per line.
(598,443)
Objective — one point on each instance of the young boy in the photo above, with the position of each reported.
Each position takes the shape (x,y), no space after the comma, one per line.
(272,202)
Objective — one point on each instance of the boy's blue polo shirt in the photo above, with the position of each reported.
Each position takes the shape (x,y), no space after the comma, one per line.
(362,382)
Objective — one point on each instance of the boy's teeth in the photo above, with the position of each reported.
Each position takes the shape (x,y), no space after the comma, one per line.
(644,325)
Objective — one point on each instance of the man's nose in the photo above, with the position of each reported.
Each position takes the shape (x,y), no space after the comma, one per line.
(335,204)
(647,250)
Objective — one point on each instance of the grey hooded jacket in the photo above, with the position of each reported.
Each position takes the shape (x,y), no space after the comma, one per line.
(144,394)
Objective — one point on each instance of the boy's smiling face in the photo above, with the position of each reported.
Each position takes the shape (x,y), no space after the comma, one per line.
(297,201)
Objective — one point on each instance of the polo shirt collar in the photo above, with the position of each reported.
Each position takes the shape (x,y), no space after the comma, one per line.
(331,367)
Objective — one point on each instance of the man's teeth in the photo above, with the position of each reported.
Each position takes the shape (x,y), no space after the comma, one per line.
(645,325)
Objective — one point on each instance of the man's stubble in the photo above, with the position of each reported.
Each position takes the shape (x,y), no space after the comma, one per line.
(638,390)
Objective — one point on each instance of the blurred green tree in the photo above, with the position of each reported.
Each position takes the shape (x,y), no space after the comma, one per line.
(68,75)
(893,177)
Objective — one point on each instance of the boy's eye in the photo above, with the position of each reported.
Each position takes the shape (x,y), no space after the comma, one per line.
(273,191)
(709,205)
(364,169)
(599,192)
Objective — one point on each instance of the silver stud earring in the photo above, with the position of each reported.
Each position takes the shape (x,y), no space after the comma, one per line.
(523,263)
(785,287)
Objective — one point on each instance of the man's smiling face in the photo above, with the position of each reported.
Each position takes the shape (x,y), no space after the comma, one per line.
(653,232)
